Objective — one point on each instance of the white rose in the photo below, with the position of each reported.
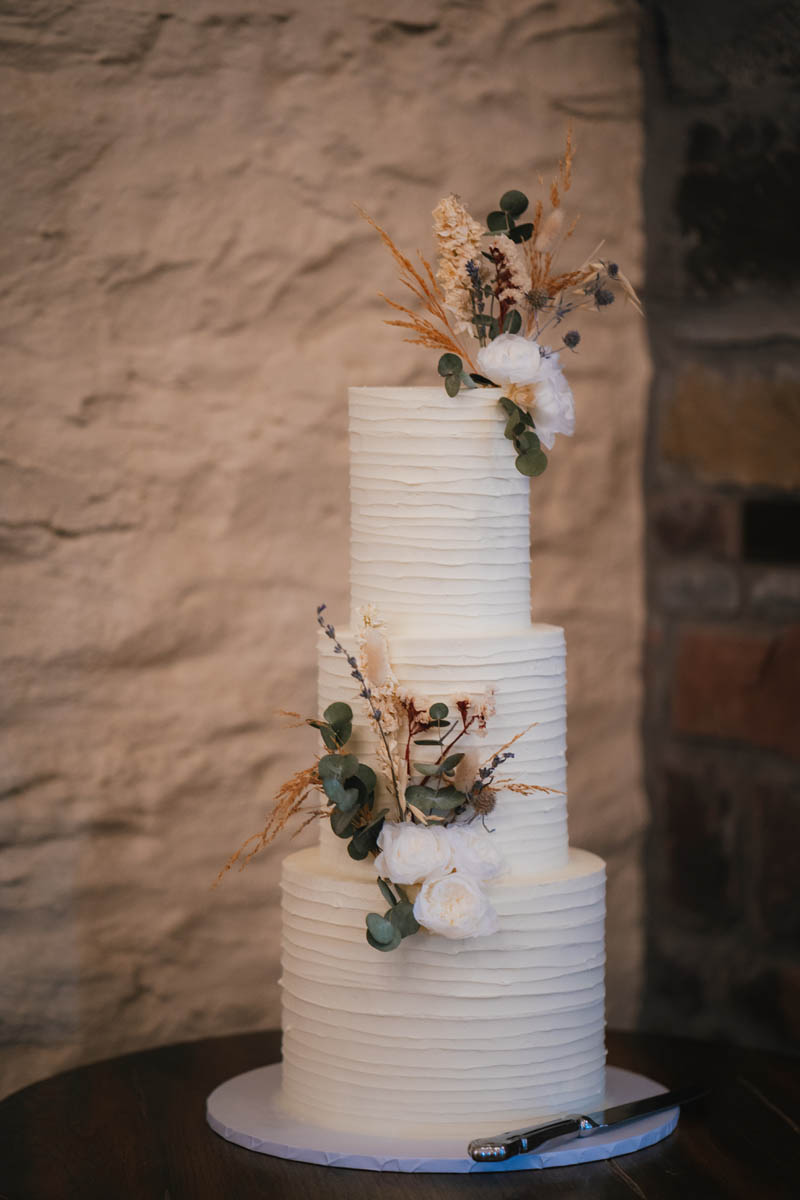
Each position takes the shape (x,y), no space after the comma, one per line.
(410,853)
(455,906)
(553,410)
(510,358)
(514,359)
(475,852)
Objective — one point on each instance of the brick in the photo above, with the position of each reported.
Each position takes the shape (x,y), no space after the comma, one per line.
(775,591)
(738,428)
(696,587)
(688,522)
(739,685)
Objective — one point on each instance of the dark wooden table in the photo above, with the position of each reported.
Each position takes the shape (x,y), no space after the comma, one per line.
(135,1127)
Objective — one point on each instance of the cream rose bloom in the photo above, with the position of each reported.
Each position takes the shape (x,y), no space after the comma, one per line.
(410,853)
(512,359)
(455,906)
(475,852)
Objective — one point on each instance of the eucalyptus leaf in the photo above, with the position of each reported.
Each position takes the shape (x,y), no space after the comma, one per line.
(428,768)
(382,933)
(532,462)
(398,937)
(337,766)
(514,202)
(481,379)
(347,800)
(338,714)
(426,742)
(452,384)
(497,222)
(329,736)
(527,440)
(365,841)
(466,380)
(451,793)
(451,762)
(387,892)
(365,781)
(367,776)
(508,405)
(341,823)
(512,322)
(447,799)
(514,426)
(522,233)
(438,711)
(421,797)
(402,918)
(449,364)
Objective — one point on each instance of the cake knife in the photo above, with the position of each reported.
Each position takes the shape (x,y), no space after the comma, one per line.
(522,1141)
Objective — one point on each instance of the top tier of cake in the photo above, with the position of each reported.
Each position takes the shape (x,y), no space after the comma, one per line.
(440,524)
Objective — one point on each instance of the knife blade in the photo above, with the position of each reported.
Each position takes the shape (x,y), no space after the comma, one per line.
(523,1141)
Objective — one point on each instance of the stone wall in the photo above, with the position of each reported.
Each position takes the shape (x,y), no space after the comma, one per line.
(722,731)
(186,294)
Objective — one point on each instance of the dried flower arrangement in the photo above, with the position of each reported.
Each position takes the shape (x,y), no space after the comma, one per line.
(424,838)
(500,286)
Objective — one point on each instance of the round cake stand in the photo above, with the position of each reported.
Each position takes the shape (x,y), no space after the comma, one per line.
(246,1110)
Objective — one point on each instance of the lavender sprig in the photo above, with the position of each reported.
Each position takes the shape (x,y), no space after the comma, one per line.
(366,691)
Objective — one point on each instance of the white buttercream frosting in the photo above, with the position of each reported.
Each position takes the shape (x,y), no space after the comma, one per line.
(440,526)
(442,1036)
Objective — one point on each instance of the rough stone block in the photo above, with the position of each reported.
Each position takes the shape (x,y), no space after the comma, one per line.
(740,427)
(739,685)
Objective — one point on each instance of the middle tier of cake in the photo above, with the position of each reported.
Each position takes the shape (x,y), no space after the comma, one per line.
(526,675)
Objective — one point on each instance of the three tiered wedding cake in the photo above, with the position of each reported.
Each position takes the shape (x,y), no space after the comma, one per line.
(476,999)
(449,1033)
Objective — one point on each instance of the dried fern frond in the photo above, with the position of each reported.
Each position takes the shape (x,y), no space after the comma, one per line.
(289,800)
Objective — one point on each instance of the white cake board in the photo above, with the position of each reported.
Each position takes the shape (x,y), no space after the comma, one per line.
(246,1110)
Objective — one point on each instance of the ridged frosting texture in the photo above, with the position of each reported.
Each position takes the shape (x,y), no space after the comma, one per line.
(440,526)
(443,1037)
(527,672)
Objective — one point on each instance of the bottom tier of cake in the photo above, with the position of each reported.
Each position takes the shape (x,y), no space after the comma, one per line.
(440,1036)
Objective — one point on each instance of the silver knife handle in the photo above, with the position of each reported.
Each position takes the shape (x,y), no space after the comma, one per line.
(521,1141)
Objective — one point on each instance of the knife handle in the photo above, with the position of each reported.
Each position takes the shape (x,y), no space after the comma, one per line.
(545,1133)
(521,1141)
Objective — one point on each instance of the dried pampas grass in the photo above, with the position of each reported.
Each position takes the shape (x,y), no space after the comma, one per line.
(289,801)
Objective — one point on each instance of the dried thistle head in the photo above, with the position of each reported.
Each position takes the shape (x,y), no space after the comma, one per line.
(484,801)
